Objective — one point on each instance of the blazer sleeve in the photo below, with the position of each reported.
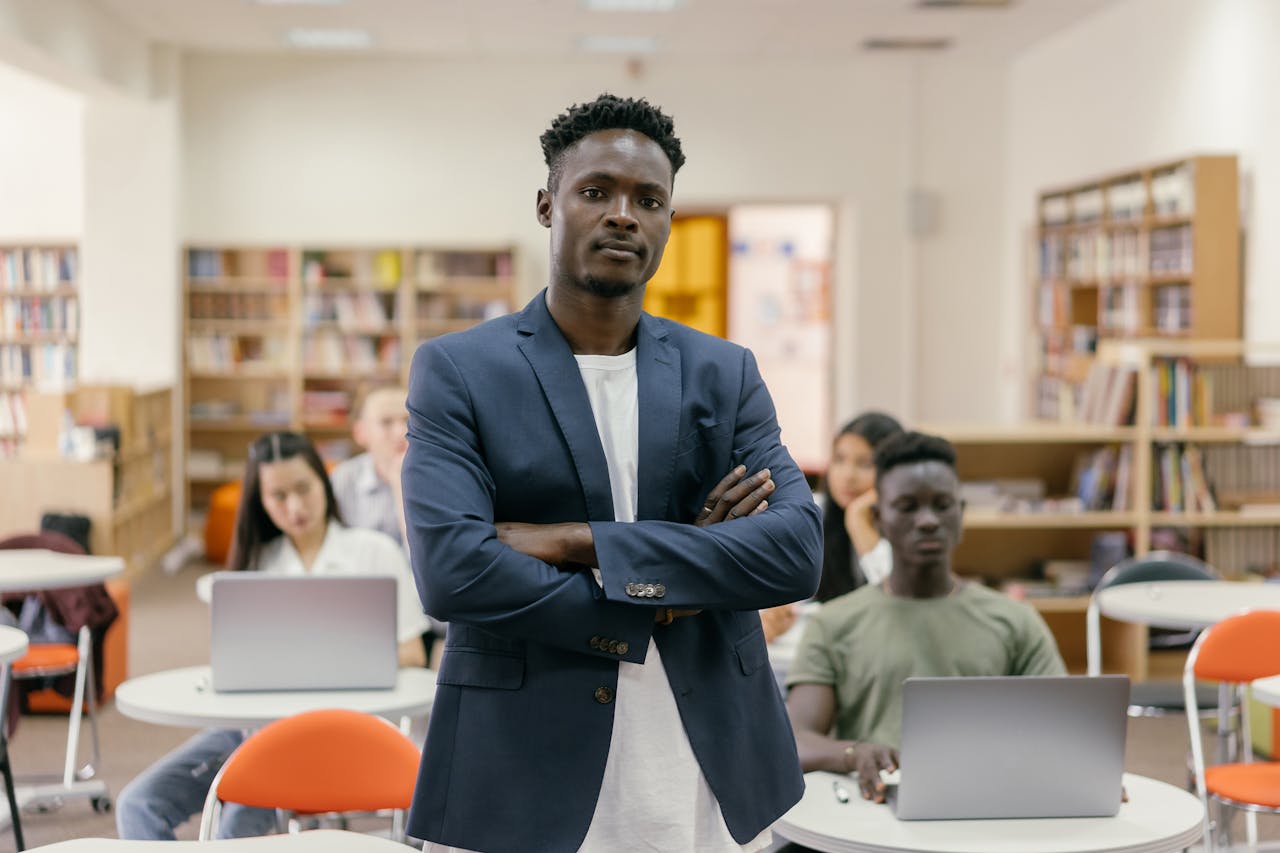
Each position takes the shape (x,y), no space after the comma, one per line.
(463,573)
(745,564)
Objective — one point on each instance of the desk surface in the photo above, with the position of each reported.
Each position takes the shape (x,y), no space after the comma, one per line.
(1267,690)
(182,697)
(29,569)
(318,841)
(13,644)
(1185,604)
(1157,818)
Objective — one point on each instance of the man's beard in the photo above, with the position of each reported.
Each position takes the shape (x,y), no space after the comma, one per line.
(609,289)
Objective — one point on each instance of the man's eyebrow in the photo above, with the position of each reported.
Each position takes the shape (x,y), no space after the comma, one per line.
(609,178)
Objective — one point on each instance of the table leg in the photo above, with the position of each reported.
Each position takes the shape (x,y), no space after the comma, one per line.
(5,767)
(1226,750)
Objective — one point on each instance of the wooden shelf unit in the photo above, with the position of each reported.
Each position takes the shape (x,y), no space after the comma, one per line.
(39,328)
(287,336)
(128,497)
(1148,252)
(1006,545)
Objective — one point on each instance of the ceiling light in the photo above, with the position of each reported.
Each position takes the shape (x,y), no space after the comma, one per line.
(962,4)
(618,44)
(908,43)
(297,2)
(312,39)
(631,5)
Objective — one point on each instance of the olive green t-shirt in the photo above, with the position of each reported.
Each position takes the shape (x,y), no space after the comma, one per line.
(866,643)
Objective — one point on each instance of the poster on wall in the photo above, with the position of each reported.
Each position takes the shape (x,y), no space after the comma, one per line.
(780,307)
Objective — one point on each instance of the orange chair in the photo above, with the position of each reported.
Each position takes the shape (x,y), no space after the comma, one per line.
(220,523)
(1236,651)
(316,763)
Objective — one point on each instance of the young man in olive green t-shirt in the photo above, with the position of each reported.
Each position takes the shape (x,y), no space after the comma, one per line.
(921,621)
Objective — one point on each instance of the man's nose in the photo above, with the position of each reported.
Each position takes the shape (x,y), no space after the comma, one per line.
(620,215)
(927,520)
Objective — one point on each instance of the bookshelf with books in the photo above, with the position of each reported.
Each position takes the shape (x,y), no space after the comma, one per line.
(1151,252)
(1191,461)
(289,337)
(39,329)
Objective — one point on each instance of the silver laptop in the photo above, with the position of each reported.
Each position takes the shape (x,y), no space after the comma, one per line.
(1013,747)
(274,632)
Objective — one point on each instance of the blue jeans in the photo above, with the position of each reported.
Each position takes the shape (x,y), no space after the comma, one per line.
(171,791)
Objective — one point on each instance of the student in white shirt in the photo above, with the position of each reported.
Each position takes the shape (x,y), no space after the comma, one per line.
(287,523)
(365,486)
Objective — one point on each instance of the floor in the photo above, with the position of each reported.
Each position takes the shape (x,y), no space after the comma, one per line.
(170,628)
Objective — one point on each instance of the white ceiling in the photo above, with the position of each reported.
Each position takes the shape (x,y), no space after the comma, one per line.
(552,28)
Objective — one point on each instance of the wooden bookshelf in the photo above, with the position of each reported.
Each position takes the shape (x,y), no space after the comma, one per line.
(288,336)
(127,495)
(1238,455)
(1148,252)
(39,329)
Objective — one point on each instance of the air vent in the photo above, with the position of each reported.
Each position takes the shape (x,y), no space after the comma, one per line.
(908,43)
(964,4)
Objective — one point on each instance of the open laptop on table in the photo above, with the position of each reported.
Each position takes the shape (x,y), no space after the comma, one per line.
(292,632)
(1011,747)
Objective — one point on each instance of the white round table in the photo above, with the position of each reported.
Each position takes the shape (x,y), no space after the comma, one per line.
(34,568)
(316,841)
(1267,691)
(1157,818)
(183,697)
(1183,605)
(13,644)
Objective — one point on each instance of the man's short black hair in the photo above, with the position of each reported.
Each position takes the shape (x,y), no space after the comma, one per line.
(608,112)
(908,447)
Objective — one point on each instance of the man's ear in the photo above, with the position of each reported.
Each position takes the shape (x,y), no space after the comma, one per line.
(360,432)
(544,208)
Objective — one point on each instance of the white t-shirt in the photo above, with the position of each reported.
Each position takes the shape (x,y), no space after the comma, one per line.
(650,800)
(347,551)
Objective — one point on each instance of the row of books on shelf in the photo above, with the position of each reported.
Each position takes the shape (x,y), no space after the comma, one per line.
(238,306)
(1171,308)
(327,406)
(219,263)
(37,269)
(13,415)
(1108,394)
(42,314)
(1182,394)
(273,411)
(49,365)
(1172,193)
(462,308)
(1180,483)
(224,352)
(434,266)
(380,268)
(1119,309)
(1098,255)
(351,311)
(328,352)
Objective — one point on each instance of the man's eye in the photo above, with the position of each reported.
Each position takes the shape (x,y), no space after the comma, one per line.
(592,192)
(651,203)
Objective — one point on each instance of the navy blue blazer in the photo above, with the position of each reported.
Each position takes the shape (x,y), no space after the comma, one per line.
(501,429)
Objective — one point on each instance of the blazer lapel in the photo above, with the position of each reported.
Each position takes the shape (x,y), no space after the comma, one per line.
(553,363)
(658,377)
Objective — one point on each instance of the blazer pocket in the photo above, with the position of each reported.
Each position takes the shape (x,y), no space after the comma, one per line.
(702,434)
(477,668)
(751,651)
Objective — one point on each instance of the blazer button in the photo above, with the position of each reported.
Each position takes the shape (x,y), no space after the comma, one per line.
(595,642)
(659,590)
(650,590)
(613,646)
(624,647)
(604,695)
(631,589)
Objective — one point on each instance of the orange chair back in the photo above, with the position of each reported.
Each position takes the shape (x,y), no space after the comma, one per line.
(1240,648)
(323,761)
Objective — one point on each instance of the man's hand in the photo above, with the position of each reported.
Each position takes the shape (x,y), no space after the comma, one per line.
(735,496)
(866,760)
(557,544)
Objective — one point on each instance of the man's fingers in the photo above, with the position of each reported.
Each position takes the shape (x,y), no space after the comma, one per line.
(763,506)
(749,504)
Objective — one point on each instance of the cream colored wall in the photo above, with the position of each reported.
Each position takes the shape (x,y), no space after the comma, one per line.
(378,150)
(1145,81)
(41,173)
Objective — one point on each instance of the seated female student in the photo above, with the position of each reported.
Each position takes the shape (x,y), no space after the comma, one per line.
(287,523)
(853,553)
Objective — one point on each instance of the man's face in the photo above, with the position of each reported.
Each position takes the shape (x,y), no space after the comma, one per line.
(610,213)
(921,511)
(383,425)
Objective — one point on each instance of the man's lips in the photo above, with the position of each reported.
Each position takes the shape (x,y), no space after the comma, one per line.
(619,249)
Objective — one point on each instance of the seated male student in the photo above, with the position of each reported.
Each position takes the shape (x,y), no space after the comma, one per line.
(367,486)
(922,620)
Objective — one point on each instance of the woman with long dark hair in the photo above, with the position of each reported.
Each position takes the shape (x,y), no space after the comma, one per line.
(287,523)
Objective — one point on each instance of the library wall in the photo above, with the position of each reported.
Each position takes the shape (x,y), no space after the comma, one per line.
(41,174)
(449,154)
(1141,82)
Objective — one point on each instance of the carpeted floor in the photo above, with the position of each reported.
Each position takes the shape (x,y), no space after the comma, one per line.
(169,627)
